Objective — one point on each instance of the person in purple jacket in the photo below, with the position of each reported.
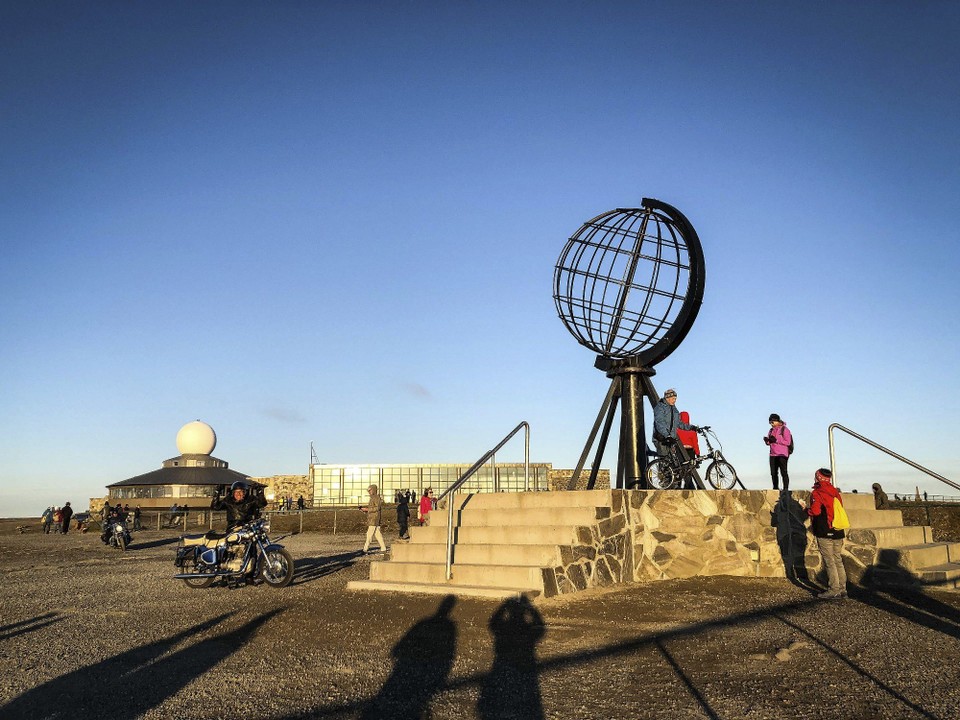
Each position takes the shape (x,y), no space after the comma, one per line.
(779,441)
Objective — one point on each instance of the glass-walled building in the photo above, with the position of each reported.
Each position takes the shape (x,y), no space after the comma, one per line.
(347,484)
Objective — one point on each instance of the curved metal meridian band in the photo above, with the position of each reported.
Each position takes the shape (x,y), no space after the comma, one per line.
(694,297)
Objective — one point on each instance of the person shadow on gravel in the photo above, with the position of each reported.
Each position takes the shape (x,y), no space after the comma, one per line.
(422,659)
(512,687)
(788,518)
(143,676)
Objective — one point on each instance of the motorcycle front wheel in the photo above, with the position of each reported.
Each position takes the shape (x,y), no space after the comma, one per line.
(721,475)
(190,566)
(277,568)
(662,475)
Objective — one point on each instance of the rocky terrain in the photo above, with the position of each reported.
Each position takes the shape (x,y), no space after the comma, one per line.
(88,631)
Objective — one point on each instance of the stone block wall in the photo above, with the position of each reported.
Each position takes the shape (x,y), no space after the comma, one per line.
(657,534)
(292,485)
(559,478)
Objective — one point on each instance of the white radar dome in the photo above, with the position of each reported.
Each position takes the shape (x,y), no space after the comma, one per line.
(196,438)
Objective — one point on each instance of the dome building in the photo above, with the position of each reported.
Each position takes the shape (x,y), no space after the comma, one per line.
(191,478)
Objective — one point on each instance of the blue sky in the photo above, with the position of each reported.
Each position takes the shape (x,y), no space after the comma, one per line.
(337,222)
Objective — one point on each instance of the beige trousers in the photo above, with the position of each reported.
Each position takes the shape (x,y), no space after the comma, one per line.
(373,531)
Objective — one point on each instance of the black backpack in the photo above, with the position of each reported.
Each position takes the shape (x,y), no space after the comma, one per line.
(790,446)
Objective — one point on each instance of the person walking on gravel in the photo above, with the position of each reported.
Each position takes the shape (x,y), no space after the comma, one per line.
(374,511)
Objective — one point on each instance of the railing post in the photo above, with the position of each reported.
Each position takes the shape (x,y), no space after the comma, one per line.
(833,462)
(449,574)
(526,456)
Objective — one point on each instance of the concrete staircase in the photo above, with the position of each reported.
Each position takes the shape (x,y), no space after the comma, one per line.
(904,555)
(503,543)
(510,544)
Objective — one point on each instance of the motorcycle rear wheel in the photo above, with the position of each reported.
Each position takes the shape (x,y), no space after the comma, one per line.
(190,566)
(277,568)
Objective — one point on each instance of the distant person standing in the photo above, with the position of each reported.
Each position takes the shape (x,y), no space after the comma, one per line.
(67,513)
(426,505)
(136,518)
(47,520)
(880,499)
(374,511)
(300,504)
(403,514)
(780,442)
(57,520)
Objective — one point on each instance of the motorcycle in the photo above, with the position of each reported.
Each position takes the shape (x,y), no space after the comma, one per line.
(116,534)
(245,551)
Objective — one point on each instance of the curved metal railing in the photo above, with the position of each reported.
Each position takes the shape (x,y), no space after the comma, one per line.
(469,473)
(891,453)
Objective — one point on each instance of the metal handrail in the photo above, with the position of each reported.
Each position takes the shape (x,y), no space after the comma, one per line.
(891,453)
(469,473)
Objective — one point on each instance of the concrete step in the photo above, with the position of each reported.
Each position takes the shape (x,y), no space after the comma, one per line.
(477,535)
(891,537)
(527,500)
(508,517)
(858,501)
(874,518)
(534,555)
(499,576)
(946,575)
(919,557)
(444,589)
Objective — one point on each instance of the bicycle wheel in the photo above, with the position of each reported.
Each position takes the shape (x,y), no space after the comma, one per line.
(661,475)
(721,475)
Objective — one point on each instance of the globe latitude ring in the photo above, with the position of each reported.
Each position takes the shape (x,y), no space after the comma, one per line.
(629,283)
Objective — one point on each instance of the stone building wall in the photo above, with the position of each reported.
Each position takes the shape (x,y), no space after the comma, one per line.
(289,485)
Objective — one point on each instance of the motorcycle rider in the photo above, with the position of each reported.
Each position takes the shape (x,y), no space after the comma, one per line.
(242,504)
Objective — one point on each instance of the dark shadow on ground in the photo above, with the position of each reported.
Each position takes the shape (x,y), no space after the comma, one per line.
(856,667)
(25,626)
(380,707)
(142,676)
(307,569)
(687,682)
(137,545)
(422,659)
(892,588)
(512,687)
(788,519)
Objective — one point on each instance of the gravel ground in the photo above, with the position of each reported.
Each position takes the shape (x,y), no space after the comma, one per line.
(87,631)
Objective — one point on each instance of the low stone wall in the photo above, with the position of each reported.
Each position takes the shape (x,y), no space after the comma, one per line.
(655,534)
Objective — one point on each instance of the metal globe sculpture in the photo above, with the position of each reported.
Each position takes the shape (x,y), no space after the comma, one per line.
(629,283)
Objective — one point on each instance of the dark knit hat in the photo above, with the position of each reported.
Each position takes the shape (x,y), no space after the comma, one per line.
(774,417)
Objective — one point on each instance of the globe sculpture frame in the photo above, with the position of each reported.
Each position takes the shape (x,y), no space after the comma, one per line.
(615,293)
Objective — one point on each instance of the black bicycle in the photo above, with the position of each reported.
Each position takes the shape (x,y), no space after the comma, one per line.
(669,472)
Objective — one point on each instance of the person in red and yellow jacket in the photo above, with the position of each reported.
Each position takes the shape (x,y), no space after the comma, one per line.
(829,539)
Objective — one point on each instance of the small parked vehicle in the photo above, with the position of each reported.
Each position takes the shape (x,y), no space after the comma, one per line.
(116,534)
(243,552)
